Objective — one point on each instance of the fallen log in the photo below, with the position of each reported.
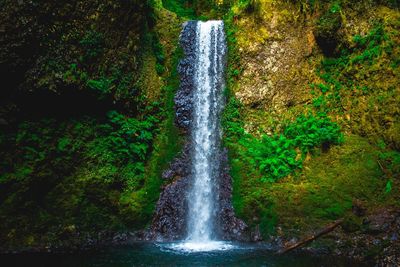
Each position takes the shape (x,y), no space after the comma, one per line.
(311,238)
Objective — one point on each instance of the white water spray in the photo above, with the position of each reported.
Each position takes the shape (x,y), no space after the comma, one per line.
(206,136)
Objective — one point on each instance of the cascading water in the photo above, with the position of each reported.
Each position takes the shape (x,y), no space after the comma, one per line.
(196,205)
(206,135)
(208,102)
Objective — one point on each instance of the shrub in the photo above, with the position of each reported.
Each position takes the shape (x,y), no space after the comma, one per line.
(124,139)
(182,8)
(308,132)
(101,86)
(275,157)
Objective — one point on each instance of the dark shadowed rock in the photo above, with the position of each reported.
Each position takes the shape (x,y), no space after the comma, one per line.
(186,69)
(381,221)
(230,227)
(169,222)
(358,208)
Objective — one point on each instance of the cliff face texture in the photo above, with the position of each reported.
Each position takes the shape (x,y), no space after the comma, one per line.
(281,47)
(295,60)
(41,41)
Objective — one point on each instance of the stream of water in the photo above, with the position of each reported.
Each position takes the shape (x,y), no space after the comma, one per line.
(206,136)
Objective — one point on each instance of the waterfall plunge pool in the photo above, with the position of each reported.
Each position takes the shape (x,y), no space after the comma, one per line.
(189,246)
(176,254)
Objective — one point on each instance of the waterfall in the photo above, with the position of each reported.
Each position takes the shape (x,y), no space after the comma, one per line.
(205,129)
(195,207)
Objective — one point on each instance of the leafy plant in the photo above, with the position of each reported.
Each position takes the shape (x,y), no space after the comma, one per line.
(370,45)
(231,120)
(74,74)
(308,132)
(275,157)
(182,8)
(101,86)
(124,139)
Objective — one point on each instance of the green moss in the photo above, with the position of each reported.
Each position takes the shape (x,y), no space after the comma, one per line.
(354,84)
(352,223)
(183,8)
(167,145)
(331,177)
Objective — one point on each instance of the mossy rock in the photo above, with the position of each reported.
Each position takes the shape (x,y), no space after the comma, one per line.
(327,29)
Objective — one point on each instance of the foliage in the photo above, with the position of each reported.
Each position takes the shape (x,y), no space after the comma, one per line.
(353,91)
(125,139)
(83,164)
(101,86)
(249,6)
(117,85)
(92,43)
(275,157)
(366,49)
(167,143)
(74,74)
(181,7)
(355,79)
(308,132)
(389,161)
(202,9)
(65,178)
(370,46)
(231,120)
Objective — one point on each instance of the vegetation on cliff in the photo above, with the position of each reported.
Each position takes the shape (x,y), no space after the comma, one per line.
(86,118)
(312,115)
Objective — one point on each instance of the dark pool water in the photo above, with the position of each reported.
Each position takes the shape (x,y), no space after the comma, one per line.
(148,254)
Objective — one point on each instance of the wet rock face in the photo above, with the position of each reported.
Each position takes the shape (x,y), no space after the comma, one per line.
(170,220)
(186,68)
(229,226)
